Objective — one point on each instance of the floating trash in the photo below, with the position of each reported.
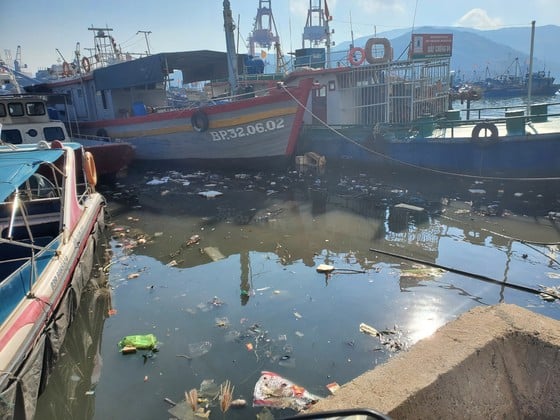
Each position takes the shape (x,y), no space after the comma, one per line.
(273,390)
(550,294)
(141,342)
(158,181)
(210,194)
(199,349)
(232,335)
(367,329)
(214,253)
(193,240)
(222,322)
(333,387)
(422,272)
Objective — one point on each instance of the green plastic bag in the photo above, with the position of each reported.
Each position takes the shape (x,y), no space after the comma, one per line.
(141,342)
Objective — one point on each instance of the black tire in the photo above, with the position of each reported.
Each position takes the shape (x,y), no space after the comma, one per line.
(102,133)
(199,121)
(488,128)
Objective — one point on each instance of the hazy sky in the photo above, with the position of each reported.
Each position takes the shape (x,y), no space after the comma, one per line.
(42,26)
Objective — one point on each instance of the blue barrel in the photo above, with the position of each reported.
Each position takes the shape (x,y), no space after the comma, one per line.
(138,108)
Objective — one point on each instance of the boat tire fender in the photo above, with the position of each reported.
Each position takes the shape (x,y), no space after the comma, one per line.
(387,50)
(488,127)
(85,64)
(89,167)
(352,56)
(102,133)
(199,121)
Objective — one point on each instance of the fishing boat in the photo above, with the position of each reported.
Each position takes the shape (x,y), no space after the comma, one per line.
(115,96)
(384,113)
(26,119)
(510,85)
(50,220)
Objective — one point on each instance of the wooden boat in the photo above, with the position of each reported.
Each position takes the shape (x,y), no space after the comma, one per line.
(118,98)
(27,120)
(50,220)
(383,113)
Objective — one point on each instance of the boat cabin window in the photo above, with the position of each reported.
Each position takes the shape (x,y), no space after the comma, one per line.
(54,133)
(2,110)
(38,186)
(15,109)
(11,136)
(35,108)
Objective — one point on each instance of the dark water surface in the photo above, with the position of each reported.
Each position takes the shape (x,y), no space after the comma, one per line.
(272,230)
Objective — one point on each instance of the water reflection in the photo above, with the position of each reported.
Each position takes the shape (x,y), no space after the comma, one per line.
(256,251)
(71,389)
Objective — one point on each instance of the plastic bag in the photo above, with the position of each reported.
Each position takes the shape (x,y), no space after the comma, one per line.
(141,342)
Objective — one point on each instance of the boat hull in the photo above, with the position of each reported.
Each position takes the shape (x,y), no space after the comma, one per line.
(110,158)
(255,128)
(513,156)
(41,326)
(46,254)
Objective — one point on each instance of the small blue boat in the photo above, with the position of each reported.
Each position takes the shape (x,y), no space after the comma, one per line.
(50,220)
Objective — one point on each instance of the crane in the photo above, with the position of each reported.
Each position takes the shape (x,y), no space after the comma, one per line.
(265,34)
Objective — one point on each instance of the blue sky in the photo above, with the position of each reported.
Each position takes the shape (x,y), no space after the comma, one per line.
(42,26)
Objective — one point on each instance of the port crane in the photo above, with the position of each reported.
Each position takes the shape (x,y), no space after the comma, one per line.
(265,34)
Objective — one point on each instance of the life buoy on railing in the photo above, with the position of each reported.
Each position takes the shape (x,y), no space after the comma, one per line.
(66,69)
(488,128)
(352,56)
(387,50)
(91,170)
(85,64)
(199,121)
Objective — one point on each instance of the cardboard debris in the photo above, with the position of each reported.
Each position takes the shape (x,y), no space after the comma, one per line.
(214,253)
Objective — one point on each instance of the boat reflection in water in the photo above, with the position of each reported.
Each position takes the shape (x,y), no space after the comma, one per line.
(231,282)
(71,389)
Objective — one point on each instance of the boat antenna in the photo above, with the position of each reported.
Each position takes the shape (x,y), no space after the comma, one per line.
(530,81)
(412,29)
(146,33)
(229,27)
(351,31)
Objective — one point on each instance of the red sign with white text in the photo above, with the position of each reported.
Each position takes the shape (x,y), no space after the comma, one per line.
(431,45)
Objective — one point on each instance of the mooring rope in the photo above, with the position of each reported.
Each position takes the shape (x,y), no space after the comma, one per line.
(469,274)
(411,165)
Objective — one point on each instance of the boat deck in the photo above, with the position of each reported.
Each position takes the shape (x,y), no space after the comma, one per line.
(512,126)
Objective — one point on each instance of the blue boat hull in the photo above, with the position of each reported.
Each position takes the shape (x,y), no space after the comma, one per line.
(508,156)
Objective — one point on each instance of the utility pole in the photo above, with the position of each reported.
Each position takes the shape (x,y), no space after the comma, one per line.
(146,33)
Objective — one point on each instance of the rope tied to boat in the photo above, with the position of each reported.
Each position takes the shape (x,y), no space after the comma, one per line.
(411,165)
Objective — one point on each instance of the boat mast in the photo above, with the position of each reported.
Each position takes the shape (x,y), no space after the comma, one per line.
(229,27)
(530,81)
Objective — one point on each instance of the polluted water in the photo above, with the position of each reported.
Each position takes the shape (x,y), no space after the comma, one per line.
(289,277)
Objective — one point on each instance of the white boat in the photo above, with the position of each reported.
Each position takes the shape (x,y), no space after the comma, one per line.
(27,120)
(50,221)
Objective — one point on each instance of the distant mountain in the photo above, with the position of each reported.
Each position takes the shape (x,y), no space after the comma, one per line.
(477,54)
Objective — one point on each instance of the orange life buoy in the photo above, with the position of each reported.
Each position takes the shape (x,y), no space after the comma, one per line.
(387,50)
(352,56)
(85,64)
(66,69)
(89,167)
